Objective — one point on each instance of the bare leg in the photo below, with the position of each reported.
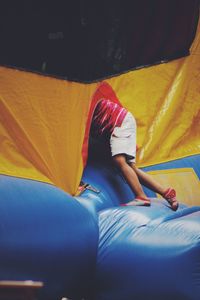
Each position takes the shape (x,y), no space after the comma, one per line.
(135,177)
(130,175)
(148,181)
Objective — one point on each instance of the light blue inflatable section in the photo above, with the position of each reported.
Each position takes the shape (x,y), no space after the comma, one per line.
(141,257)
(144,252)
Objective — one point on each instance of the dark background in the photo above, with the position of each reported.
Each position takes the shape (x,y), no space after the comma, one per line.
(87,40)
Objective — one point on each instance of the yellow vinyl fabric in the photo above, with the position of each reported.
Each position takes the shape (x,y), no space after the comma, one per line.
(184,181)
(165,100)
(42,126)
(43,119)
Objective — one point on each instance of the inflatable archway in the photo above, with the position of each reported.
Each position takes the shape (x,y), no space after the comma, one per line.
(87,246)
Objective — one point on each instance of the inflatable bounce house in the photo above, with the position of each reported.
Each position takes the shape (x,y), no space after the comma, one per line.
(61,222)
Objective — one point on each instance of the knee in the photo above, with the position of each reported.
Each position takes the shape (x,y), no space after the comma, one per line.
(119,160)
(133,166)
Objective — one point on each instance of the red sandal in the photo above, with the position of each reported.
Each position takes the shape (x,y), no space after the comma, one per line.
(170,196)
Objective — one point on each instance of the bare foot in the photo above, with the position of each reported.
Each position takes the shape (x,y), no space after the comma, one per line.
(139,201)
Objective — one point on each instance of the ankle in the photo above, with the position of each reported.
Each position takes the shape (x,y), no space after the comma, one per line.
(141,196)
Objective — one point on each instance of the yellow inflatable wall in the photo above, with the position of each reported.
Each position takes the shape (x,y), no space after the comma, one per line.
(43,119)
(42,127)
(165,100)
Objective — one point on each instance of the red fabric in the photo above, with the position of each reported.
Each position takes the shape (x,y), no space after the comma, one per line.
(104,90)
(107,116)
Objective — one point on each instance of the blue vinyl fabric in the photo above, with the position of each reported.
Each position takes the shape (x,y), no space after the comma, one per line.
(144,252)
(46,235)
(186,162)
(143,256)
(90,248)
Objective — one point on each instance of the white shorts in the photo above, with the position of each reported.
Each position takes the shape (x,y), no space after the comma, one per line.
(123,138)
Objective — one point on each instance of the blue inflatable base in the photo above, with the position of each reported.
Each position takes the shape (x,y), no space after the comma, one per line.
(46,235)
(144,252)
(89,247)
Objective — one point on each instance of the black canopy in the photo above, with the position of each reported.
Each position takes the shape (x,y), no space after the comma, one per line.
(87,40)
